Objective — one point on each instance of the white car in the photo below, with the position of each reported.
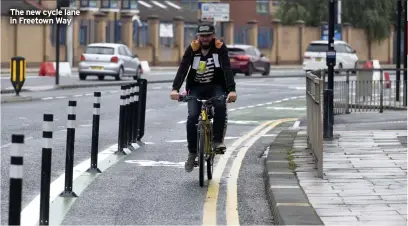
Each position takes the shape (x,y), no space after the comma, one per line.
(315,55)
(109,59)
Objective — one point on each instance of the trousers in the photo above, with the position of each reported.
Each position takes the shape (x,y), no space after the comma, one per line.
(194,110)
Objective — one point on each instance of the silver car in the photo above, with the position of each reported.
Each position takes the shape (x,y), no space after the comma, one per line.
(109,59)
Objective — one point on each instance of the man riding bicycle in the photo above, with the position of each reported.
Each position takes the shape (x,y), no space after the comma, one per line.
(208,69)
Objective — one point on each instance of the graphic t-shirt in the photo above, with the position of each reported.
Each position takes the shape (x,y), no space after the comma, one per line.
(206,70)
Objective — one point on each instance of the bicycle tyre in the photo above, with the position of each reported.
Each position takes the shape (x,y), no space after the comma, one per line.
(210,157)
(201,150)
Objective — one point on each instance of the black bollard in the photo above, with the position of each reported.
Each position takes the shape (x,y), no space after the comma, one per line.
(46,170)
(95,134)
(131,113)
(127,117)
(69,160)
(16,179)
(142,110)
(121,121)
(135,125)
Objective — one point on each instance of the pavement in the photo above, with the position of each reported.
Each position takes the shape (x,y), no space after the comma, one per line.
(365,172)
(149,186)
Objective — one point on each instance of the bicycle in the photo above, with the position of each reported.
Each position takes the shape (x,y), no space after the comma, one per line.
(205,144)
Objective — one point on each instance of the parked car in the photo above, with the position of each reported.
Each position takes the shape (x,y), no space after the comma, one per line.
(248,59)
(315,55)
(109,59)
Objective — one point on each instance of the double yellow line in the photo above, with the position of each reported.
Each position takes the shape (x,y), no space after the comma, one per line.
(210,203)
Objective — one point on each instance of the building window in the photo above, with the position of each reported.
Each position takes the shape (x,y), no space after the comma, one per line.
(189,4)
(129,4)
(111,4)
(83,35)
(89,3)
(262,6)
(63,34)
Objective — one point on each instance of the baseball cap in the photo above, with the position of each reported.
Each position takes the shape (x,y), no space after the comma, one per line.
(205,29)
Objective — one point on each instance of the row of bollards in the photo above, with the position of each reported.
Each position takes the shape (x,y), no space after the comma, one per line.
(131,130)
(132,114)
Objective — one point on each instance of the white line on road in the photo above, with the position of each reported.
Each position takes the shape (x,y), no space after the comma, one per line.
(61,97)
(181,122)
(296,124)
(89,94)
(85,125)
(47,98)
(287,108)
(78,95)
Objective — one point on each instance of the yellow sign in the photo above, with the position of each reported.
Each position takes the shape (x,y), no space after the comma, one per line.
(202,66)
(18,73)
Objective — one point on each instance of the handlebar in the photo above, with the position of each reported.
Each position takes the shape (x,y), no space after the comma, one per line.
(185,98)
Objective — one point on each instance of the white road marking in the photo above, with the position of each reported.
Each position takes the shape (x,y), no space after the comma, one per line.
(89,94)
(181,122)
(287,108)
(148,142)
(251,106)
(156,163)
(296,124)
(47,98)
(156,87)
(183,104)
(85,125)
(147,110)
(60,97)
(30,214)
(78,95)
(176,141)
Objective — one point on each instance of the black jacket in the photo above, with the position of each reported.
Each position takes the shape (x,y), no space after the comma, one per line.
(223,74)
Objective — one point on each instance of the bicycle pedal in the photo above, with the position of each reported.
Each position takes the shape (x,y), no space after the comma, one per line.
(195,163)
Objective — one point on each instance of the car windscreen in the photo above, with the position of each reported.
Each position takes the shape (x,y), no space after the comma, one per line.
(314,47)
(100,50)
(236,51)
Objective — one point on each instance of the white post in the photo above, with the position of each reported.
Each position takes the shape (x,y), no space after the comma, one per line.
(70,37)
(338,11)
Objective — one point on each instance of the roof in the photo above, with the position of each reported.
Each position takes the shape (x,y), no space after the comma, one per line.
(327,42)
(113,45)
(18,4)
(239,46)
(165,10)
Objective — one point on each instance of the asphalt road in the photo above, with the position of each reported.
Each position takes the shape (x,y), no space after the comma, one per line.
(128,192)
(37,83)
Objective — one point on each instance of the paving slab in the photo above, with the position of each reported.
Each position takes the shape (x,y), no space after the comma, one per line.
(365,178)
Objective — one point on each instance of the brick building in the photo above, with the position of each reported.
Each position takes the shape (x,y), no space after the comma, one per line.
(242,11)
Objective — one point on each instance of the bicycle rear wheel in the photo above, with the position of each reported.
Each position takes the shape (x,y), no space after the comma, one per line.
(201,150)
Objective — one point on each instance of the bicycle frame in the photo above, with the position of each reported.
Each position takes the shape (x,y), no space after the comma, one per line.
(206,123)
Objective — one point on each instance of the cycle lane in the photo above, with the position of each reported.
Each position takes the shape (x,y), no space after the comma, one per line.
(158,191)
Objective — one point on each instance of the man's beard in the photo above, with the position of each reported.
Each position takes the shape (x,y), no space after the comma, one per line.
(206,46)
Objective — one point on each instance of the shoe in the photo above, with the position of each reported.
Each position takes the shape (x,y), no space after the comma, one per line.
(220,148)
(189,165)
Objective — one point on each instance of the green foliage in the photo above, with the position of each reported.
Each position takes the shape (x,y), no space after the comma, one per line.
(374,16)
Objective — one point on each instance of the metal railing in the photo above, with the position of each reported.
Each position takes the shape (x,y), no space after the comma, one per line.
(314,104)
(362,93)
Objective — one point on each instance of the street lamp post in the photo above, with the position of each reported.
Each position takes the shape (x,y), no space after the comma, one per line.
(331,62)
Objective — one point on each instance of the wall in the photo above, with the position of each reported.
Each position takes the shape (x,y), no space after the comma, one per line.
(289,44)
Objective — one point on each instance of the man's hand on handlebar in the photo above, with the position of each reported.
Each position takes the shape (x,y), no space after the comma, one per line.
(174,95)
(232,97)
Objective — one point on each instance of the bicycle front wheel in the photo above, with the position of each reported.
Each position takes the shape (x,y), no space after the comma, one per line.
(201,150)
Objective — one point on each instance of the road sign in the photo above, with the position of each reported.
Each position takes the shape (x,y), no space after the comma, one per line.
(217,12)
(18,73)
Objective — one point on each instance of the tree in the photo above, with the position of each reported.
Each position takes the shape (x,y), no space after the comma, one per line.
(373,16)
